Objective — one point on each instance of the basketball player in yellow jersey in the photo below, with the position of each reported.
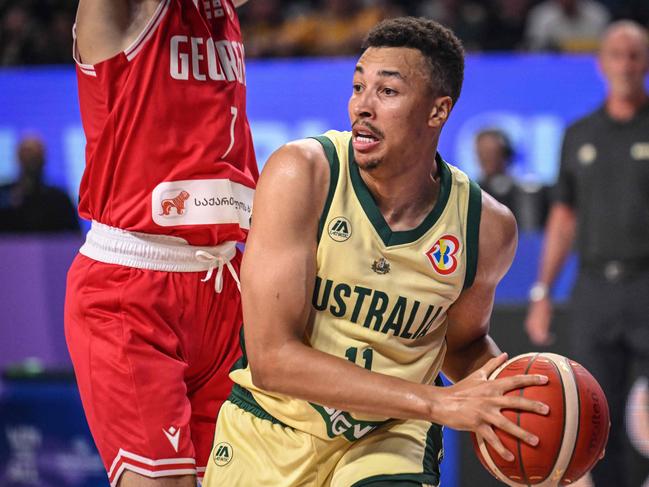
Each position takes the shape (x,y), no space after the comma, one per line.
(371,266)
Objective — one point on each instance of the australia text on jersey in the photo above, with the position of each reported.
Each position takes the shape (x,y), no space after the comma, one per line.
(224,59)
(382,314)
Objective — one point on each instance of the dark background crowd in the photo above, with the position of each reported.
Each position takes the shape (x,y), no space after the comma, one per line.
(39,31)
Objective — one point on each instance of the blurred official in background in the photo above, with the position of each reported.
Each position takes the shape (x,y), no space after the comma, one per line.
(602,201)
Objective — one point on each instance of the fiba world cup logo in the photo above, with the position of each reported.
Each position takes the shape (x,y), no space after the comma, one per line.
(443,255)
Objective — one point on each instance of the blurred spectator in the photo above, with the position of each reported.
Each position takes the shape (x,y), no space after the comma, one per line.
(16,37)
(334,28)
(467,18)
(528,202)
(36,31)
(59,38)
(261,24)
(505,29)
(495,153)
(28,205)
(566,25)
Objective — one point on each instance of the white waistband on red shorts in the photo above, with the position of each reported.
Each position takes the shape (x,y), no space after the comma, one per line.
(158,252)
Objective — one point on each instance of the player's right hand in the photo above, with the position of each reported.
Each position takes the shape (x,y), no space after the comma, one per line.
(475,404)
(537,323)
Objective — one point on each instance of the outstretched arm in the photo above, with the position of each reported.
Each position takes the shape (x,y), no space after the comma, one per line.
(278,275)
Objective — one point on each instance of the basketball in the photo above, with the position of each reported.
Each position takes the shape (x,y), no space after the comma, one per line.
(572,437)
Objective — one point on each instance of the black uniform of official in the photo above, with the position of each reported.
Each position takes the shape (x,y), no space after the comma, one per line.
(604,176)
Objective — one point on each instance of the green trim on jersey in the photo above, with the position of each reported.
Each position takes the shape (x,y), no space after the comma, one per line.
(243,398)
(242,362)
(334,166)
(434,449)
(354,429)
(375,216)
(398,480)
(472,233)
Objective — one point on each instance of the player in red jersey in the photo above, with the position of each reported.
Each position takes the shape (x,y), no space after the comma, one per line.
(153,307)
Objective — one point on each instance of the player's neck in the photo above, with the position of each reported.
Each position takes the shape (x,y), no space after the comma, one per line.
(623,108)
(405,199)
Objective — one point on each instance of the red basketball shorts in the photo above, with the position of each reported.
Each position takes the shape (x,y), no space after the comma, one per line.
(151,352)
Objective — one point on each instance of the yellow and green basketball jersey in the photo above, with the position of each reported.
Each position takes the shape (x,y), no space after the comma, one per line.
(381,297)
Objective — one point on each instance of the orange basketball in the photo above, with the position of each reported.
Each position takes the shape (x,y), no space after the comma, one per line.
(572,436)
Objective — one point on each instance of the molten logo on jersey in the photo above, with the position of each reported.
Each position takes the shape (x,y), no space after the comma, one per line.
(442,255)
(177,203)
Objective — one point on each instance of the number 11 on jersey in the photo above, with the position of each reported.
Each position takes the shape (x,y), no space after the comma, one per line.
(352,353)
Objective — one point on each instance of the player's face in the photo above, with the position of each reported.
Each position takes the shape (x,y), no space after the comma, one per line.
(390,105)
(624,60)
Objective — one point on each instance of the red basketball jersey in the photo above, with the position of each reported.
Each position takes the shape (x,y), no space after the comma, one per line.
(168,145)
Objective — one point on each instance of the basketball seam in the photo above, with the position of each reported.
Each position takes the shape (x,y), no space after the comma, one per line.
(565,418)
(518,421)
(569,432)
(574,446)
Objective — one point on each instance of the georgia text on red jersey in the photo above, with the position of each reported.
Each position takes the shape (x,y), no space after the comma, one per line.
(168,144)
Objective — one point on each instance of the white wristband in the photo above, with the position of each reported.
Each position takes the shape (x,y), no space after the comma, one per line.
(538,292)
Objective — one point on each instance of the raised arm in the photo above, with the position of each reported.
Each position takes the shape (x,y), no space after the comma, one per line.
(106,27)
(278,276)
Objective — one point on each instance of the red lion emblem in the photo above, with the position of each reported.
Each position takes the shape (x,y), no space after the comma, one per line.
(178,203)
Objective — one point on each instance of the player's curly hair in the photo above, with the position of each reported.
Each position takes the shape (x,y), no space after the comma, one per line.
(439,45)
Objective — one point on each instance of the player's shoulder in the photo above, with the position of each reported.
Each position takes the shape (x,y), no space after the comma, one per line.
(302,162)
(295,181)
(498,229)
(302,154)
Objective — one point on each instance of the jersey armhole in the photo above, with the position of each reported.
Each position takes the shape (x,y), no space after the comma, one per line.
(87,69)
(474,213)
(131,51)
(149,29)
(334,170)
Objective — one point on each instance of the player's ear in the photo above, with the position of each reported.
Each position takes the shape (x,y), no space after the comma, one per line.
(440,111)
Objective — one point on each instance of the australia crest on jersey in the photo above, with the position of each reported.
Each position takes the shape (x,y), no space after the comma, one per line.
(381,266)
